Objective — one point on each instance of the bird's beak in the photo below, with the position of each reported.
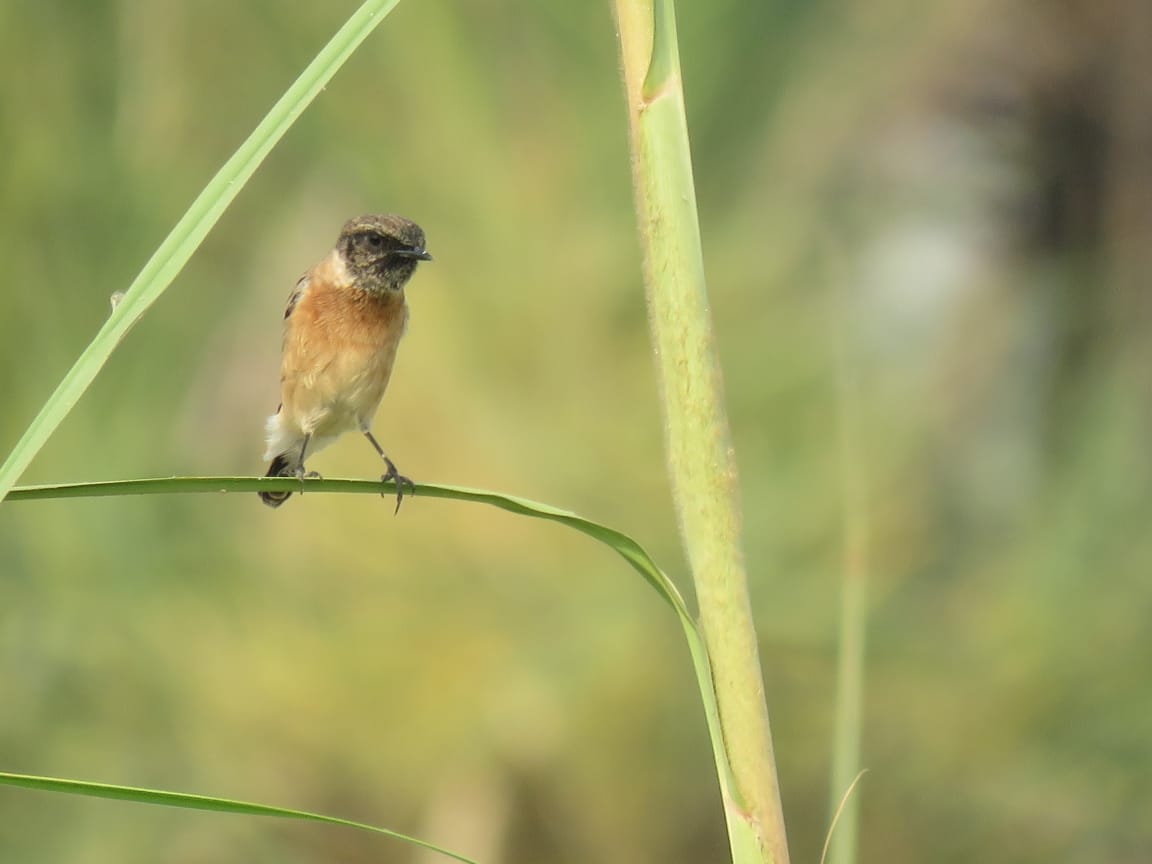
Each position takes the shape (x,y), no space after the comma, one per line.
(419,253)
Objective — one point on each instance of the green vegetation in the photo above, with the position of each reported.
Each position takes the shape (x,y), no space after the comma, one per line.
(934,384)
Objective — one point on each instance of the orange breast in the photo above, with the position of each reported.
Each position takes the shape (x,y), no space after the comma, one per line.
(339,347)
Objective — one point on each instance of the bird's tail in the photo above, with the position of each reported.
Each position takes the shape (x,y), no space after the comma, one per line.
(280,467)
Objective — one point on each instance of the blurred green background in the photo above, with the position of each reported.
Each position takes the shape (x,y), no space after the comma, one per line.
(928,231)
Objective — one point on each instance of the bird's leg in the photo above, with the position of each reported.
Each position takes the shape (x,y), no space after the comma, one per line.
(301,474)
(391,473)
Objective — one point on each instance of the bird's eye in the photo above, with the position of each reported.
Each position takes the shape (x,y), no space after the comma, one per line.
(375,241)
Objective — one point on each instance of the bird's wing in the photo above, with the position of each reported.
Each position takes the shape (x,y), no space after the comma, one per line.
(297,293)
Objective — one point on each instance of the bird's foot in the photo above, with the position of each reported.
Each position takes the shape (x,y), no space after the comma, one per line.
(400,480)
(303,475)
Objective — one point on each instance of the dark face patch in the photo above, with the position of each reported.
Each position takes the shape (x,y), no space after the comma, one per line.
(381,252)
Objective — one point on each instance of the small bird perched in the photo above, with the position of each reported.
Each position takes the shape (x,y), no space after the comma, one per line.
(341,330)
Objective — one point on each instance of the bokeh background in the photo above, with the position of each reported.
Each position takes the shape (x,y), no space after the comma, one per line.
(928,234)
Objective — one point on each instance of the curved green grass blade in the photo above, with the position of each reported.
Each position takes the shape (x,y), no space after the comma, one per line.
(201,802)
(190,231)
(626,547)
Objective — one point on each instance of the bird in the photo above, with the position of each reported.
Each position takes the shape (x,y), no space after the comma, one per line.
(342,326)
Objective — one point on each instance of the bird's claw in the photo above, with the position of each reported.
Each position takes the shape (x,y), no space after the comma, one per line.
(400,480)
(303,475)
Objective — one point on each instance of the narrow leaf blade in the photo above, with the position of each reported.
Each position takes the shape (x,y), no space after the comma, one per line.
(201,802)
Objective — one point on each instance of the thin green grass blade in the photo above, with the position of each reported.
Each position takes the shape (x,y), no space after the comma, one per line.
(621,543)
(625,546)
(202,802)
(844,808)
(185,238)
